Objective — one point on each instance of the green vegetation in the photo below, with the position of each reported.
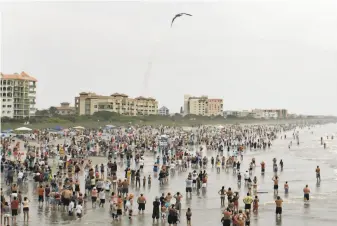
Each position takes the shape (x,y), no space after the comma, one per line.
(50,119)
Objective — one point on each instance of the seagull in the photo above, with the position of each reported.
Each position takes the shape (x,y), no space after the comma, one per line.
(179,15)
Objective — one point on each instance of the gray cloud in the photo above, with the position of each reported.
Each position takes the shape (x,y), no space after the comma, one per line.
(251,53)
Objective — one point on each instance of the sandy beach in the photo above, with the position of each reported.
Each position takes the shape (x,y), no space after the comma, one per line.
(299,169)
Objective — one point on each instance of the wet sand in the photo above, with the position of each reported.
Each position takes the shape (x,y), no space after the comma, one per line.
(299,169)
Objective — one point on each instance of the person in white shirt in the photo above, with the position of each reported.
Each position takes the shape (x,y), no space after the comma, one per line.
(79,210)
(20,177)
(71,208)
(141,163)
(194,179)
(107,185)
(246,176)
(101,198)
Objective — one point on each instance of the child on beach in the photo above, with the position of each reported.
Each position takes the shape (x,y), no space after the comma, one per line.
(254,188)
(144,181)
(114,208)
(163,212)
(188,216)
(149,180)
(286,187)
(256,204)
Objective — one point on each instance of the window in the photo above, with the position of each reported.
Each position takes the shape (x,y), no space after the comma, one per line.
(95,106)
(9,106)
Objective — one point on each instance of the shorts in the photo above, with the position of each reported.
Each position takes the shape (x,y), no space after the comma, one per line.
(141,206)
(93,199)
(188,189)
(306,196)
(25,209)
(125,190)
(194,181)
(102,201)
(155,215)
(119,212)
(278,210)
(172,219)
(66,202)
(226,222)
(275,187)
(79,214)
(14,212)
(41,198)
(248,206)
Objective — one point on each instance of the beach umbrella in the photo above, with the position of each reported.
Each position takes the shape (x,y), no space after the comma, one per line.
(78,127)
(23,129)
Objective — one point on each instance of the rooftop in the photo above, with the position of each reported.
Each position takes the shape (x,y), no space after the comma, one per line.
(16,76)
(89,95)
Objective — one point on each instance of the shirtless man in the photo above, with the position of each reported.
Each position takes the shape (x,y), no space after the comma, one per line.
(278,203)
(306,192)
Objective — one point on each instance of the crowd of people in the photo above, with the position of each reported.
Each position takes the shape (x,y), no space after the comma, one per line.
(112,182)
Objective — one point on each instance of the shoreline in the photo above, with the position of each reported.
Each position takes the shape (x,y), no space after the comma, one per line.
(158,122)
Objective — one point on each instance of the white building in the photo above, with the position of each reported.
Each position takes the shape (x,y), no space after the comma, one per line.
(18,95)
(270,115)
(163,111)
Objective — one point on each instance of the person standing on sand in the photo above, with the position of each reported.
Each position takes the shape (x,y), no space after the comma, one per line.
(278,203)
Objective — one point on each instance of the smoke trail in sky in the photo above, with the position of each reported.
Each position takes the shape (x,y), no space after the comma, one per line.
(147,76)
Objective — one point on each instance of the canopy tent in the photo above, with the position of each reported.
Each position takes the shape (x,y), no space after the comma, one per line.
(7,131)
(23,129)
(58,128)
(78,127)
(110,126)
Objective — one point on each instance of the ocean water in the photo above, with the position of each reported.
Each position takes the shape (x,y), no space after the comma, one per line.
(310,147)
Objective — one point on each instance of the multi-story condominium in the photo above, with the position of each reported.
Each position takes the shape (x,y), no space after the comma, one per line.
(65,109)
(89,103)
(18,95)
(163,111)
(215,107)
(202,106)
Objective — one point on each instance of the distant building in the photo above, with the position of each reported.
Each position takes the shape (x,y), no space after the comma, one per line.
(163,111)
(231,113)
(271,113)
(18,95)
(65,109)
(202,106)
(89,103)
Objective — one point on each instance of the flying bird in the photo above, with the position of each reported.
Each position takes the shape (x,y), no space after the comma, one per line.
(179,15)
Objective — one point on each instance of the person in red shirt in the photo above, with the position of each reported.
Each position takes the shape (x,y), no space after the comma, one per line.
(14,207)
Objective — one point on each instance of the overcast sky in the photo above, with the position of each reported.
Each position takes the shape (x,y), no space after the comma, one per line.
(253,54)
